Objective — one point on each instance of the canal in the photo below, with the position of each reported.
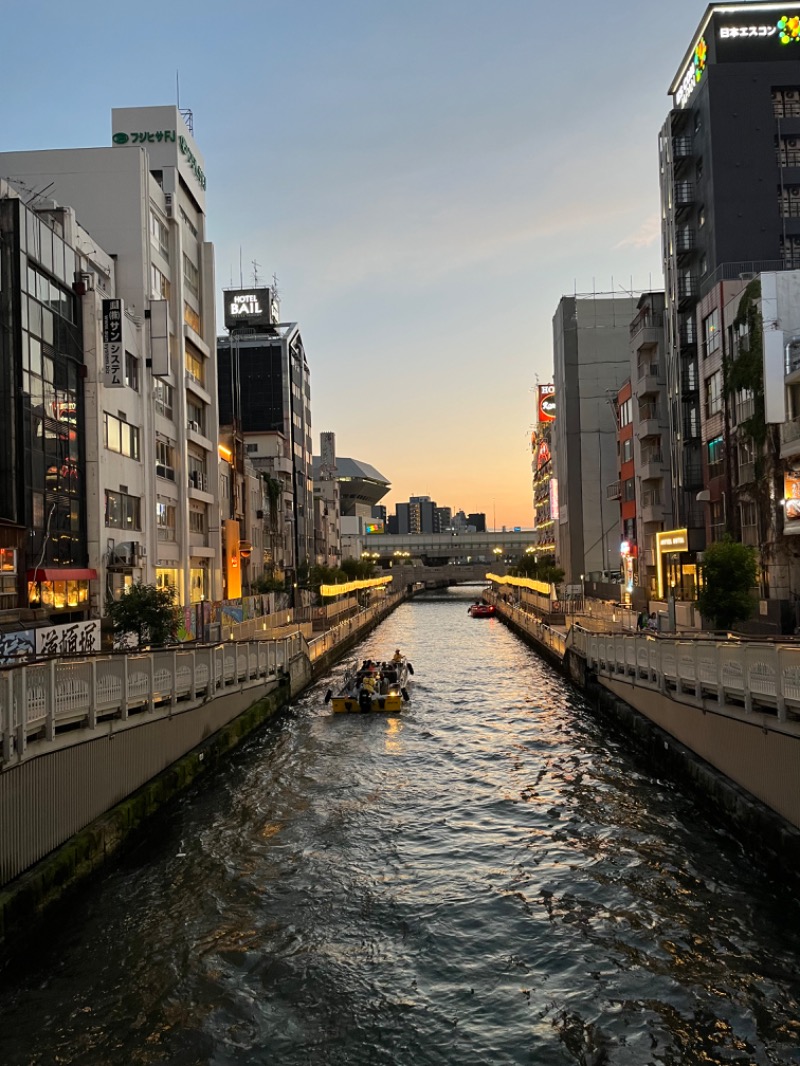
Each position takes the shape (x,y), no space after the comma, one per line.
(488,879)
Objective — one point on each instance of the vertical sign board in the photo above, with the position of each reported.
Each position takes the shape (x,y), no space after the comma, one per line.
(113,358)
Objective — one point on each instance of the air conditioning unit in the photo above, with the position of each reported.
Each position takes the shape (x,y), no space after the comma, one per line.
(168,204)
(201,482)
(195,426)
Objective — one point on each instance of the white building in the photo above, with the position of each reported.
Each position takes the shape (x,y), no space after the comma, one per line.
(152,486)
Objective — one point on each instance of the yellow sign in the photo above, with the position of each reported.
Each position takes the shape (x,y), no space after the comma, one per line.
(672,540)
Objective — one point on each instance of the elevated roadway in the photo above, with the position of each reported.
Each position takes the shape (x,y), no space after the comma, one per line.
(449,547)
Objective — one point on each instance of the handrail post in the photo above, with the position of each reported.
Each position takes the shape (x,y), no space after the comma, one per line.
(93,696)
(123,710)
(22,715)
(8,724)
(173,696)
(193,682)
(50,720)
(151,674)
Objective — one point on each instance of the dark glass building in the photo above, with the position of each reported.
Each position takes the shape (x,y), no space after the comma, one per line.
(43,544)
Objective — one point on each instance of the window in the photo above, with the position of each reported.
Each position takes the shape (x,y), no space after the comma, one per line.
(191,277)
(630,489)
(165,460)
(711,333)
(191,318)
(197,473)
(165,520)
(197,521)
(159,284)
(627,450)
(120,436)
(625,413)
(196,366)
(190,225)
(8,576)
(163,397)
(701,217)
(716,457)
(251,448)
(195,416)
(159,234)
(123,511)
(131,371)
(714,394)
(167,579)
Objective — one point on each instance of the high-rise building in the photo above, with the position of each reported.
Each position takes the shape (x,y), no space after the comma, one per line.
(151,492)
(730,193)
(591,336)
(265,388)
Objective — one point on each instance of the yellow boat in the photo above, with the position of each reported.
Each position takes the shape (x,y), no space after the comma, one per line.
(380,687)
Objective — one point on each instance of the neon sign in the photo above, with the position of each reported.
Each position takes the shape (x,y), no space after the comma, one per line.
(694,73)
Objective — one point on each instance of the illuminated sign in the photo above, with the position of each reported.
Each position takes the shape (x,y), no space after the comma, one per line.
(114,377)
(694,73)
(542,456)
(675,540)
(248,307)
(374,527)
(791,494)
(728,32)
(553,497)
(546,403)
(789,29)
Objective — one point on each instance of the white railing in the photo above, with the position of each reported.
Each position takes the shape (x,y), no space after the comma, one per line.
(756,676)
(327,641)
(39,700)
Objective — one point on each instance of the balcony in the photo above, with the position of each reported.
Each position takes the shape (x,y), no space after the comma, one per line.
(792,367)
(745,409)
(647,383)
(614,491)
(649,421)
(688,287)
(682,148)
(651,467)
(687,335)
(790,438)
(685,242)
(684,194)
(747,473)
(652,507)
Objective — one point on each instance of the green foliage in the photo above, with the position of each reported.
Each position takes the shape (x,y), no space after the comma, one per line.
(745,373)
(730,571)
(147,611)
(274,489)
(325,575)
(267,583)
(543,569)
(358,569)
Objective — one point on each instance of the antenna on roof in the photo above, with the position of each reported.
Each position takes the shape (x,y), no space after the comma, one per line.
(184,112)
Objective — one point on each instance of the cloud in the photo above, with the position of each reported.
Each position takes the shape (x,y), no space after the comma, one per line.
(646,235)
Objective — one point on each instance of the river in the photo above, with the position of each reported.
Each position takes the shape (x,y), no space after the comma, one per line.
(489,878)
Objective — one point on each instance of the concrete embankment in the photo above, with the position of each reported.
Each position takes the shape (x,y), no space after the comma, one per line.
(48,880)
(760,828)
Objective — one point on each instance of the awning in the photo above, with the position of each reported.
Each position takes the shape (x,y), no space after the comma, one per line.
(52,573)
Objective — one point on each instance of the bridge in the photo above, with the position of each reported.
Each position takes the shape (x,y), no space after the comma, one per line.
(489,548)
(441,576)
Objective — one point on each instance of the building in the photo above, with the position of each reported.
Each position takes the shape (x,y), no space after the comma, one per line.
(477,520)
(591,348)
(265,389)
(328,505)
(730,196)
(544,485)
(651,443)
(151,418)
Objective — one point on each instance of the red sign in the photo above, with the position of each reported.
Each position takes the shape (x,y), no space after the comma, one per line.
(547,403)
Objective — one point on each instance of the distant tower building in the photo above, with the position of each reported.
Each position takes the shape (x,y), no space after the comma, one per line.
(478,521)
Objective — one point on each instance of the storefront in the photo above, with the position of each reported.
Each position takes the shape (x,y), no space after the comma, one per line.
(678,575)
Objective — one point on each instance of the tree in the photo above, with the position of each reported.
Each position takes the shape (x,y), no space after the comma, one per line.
(148,612)
(730,570)
(358,569)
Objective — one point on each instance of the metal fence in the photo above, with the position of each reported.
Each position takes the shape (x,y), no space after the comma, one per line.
(39,701)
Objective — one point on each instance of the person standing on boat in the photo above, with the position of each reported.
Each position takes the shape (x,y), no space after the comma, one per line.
(397,657)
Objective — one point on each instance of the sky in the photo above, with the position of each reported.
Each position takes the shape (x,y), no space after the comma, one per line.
(426,178)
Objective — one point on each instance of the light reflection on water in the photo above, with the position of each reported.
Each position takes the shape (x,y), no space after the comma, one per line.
(487,879)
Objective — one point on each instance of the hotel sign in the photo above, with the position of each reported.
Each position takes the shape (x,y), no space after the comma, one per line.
(675,540)
(248,307)
(547,403)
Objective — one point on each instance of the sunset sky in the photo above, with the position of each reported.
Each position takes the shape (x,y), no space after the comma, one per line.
(426,178)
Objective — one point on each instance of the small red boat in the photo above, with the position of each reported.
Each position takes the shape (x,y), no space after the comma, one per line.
(482,610)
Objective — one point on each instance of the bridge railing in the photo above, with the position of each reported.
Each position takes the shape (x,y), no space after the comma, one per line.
(42,700)
(751,674)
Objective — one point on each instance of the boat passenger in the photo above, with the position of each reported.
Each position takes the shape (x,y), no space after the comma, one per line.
(368,684)
(397,657)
